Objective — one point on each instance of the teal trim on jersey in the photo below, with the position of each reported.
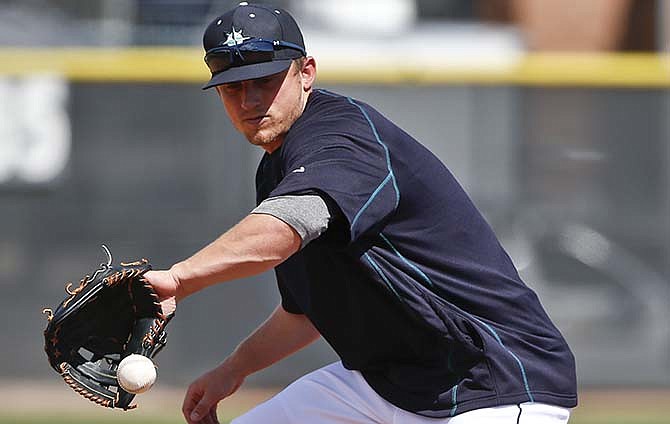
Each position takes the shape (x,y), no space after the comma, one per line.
(386,149)
(374,194)
(454,391)
(328,93)
(381,274)
(411,265)
(516,358)
(488,327)
(390,175)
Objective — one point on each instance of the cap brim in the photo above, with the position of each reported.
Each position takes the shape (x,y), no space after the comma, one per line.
(247,72)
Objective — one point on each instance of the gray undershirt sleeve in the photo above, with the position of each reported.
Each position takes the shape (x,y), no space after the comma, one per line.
(307,214)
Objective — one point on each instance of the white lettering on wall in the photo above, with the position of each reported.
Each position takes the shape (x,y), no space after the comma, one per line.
(35,136)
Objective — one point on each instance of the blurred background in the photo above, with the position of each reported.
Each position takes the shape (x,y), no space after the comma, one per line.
(553,114)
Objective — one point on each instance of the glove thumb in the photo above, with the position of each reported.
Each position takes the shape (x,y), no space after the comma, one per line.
(201,409)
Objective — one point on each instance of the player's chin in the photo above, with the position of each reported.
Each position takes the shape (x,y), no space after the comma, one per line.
(261,137)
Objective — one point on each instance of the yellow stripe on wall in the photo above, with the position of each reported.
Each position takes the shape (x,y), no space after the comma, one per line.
(137,64)
(538,69)
(185,65)
(635,70)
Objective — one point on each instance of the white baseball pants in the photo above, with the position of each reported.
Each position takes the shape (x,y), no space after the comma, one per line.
(336,395)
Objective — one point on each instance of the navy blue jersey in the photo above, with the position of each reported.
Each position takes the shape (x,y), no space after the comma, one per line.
(409,284)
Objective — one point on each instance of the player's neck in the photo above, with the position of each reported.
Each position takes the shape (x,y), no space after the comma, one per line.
(273,145)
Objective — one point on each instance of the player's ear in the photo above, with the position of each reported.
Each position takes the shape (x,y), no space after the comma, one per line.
(308,72)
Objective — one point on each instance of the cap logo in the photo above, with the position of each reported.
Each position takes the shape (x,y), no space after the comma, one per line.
(235,38)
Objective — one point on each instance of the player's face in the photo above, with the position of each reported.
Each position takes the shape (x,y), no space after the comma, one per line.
(264,109)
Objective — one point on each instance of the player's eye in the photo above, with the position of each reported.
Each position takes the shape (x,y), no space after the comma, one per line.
(265,81)
(232,87)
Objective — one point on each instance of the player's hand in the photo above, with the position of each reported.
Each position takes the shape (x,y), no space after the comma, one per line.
(166,287)
(204,394)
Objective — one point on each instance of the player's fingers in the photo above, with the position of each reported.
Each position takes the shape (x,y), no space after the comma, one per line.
(208,419)
(169,305)
(202,409)
(211,417)
(191,400)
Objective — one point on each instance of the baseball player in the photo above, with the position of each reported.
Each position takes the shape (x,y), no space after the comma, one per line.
(376,248)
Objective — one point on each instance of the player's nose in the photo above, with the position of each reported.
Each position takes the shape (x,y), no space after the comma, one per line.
(251,96)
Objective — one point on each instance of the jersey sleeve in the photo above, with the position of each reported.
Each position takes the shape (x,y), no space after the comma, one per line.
(307,214)
(355,175)
(288,303)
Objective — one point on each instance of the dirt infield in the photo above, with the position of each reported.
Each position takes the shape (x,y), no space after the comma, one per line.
(39,398)
(53,398)
(624,402)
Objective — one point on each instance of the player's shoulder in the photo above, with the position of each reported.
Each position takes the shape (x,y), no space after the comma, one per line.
(330,121)
(324,104)
(325,99)
(327,112)
(321,96)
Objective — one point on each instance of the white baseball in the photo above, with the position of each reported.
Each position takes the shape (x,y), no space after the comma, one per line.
(136,374)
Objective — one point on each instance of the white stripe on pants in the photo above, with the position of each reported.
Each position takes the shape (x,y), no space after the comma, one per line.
(336,395)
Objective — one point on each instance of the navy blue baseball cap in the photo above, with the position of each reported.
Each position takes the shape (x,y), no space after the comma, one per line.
(251,41)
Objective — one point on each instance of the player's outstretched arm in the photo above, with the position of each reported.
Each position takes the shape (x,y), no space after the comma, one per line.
(256,244)
(279,336)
